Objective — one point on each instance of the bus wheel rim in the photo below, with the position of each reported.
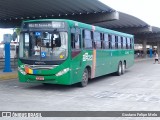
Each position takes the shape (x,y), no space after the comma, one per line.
(123,68)
(120,68)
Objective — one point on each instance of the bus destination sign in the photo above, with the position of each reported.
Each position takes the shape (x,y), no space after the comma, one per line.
(46,25)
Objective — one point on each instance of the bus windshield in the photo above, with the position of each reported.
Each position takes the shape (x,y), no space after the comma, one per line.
(43,46)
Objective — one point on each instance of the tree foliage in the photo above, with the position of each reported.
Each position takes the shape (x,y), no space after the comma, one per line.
(18,30)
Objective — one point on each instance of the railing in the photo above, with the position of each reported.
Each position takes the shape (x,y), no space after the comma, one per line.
(13,63)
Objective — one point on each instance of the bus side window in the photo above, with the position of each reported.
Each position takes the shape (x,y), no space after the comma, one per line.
(113,41)
(87,40)
(72,40)
(128,43)
(106,41)
(78,42)
(102,39)
(110,41)
(97,40)
(116,42)
(124,43)
(119,42)
(131,42)
(75,40)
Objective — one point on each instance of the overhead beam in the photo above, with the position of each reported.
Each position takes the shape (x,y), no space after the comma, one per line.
(10,24)
(134,30)
(86,18)
(149,35)
(153,39)
(93,18)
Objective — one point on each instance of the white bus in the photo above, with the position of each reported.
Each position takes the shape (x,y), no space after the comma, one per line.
(13,50)
(1,50)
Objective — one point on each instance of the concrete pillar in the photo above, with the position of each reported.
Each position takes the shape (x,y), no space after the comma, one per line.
(158,48)
(144,47)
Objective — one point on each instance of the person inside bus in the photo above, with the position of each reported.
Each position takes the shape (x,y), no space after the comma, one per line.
(37,48)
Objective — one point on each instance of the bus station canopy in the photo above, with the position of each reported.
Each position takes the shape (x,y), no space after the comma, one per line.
(12,12)
(130,24)
(127,23)
(150,36)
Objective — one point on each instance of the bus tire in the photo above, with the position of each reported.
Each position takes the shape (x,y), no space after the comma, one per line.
(84,81)
(119,71)
(123,68)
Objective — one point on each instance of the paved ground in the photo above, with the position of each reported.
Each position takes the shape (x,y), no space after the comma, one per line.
(137,90)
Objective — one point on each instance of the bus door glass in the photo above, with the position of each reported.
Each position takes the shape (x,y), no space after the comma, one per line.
(76,59)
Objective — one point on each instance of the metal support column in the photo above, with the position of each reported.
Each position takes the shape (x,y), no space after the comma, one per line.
(158,48)
(7,67)
(144,48)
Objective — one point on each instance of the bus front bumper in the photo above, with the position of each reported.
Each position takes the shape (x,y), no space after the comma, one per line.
(51,79)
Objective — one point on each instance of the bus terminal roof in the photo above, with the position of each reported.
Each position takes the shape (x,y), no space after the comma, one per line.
(126,23)
(130,24)
(12,12)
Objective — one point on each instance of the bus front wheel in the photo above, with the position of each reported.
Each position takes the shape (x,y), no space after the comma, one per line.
(84,81)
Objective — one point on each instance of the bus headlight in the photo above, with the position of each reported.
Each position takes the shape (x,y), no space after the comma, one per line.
(62,72)
(21,71)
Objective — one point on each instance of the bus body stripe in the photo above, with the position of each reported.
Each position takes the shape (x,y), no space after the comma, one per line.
(93,64)
(26,69)
(30,71)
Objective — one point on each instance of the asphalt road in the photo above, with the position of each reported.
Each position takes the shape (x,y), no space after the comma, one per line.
(137,90)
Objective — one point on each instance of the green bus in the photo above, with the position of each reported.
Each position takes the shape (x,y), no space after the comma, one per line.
(60,51)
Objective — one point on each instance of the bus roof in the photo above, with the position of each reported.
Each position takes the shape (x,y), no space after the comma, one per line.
(72,23)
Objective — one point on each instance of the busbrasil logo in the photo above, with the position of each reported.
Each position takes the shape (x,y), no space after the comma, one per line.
(87,57)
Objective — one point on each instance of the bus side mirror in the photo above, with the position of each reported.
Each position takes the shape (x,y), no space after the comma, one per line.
(14,36)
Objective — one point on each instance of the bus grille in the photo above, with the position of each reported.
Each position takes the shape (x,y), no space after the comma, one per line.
(42,67)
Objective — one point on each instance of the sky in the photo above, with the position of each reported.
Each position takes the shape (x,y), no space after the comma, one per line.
(5,31)
(146,10)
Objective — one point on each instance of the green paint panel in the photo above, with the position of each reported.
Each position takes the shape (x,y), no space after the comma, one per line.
(106,60)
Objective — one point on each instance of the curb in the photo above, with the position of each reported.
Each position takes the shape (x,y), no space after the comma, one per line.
(144,59)
(7,76)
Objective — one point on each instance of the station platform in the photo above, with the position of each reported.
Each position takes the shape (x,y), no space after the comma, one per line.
(8,75)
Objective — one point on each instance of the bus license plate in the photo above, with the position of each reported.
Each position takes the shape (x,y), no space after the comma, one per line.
(39,78)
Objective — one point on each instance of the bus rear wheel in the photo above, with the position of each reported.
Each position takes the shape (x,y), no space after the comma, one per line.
(119,71)
(84,81)
(123,68)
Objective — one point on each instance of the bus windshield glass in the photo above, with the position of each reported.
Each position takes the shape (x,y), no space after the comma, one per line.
(43,46)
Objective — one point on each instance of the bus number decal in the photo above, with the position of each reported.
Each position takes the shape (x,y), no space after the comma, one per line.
(127,52)
(87,57)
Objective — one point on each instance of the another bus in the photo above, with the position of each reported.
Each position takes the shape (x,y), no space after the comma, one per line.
(60,51)
(13,50)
